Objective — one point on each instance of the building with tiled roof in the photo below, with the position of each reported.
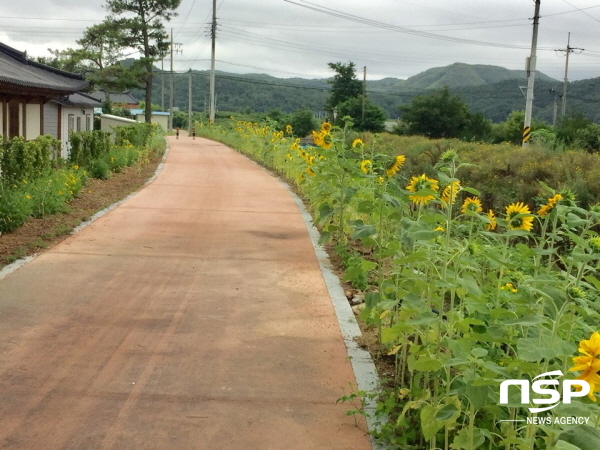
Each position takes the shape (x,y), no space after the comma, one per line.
(25,87)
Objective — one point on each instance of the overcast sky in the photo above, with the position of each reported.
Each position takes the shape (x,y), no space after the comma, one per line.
(297,38)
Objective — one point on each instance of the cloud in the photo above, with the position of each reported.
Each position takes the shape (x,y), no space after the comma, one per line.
(284,39)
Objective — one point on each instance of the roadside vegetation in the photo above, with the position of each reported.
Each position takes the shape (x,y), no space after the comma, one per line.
(463,290)
(35,182)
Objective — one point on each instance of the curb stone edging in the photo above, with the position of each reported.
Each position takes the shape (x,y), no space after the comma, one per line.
(12,267)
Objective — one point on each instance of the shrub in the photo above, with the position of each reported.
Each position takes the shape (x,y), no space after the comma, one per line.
(15,208)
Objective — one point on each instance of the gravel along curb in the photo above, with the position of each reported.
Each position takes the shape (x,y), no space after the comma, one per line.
(7,270)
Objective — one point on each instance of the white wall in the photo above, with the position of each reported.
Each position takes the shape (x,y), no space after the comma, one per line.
(33,118)
(74,118)
(161,120)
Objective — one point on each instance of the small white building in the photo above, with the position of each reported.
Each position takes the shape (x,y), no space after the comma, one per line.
(158,117)
(68,114)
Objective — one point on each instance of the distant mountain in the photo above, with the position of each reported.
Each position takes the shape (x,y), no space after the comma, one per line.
(463,75)
(492,90)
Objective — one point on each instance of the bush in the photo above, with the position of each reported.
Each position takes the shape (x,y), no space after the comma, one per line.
(26,160)
(15,208)
(87,146)
(100,169)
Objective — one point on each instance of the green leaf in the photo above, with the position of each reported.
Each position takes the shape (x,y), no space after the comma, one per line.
(471,190)
(479,352)
(563,445)
(324,238)
(583,437)
(462,441)
(325,211)
(429,425)
(424,364)
(527,321)
(423,319)
(447,412)
(363,231)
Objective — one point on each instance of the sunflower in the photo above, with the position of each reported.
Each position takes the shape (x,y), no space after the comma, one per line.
(419,183)
(552,202)
(310,171)
(288,129)
(366,166)
(450,192)
(318,138)
(519,217)
(326,127)
(327,141)
(492,218)
(358,143)
(588,363)
(472,204)
(396,165)
(591,346)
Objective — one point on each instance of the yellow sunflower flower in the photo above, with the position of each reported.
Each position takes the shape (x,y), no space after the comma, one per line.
(288,129)
(450,192)
(366,166)
(591,346)
(419,183)
(358,143)
(396,166)
(472,204)
(492,218)
(326,127)
(588,363)
(513,211)
(552,202)
(318,138)
(327,141)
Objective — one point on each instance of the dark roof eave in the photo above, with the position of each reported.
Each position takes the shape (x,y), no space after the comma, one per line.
(8,86)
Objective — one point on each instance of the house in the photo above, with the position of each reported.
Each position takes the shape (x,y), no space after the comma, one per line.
(25,88)
(122,100)
(74,112)
(158,117)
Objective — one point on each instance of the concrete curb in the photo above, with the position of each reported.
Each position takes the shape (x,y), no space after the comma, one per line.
(7,270)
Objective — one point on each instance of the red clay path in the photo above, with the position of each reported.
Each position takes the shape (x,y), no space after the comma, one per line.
(193,316)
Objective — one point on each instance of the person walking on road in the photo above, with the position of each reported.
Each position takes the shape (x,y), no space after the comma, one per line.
(194,133)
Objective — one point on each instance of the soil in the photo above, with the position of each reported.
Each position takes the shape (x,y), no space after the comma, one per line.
(36,235)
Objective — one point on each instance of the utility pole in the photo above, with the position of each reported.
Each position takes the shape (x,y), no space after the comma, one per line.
(171,81)
(531,76)
(364,94)
(568,51)
(162,88)
(190,103)
(213,35)
(174,49)
(555,110)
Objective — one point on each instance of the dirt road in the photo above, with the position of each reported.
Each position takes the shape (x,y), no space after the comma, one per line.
(193,316)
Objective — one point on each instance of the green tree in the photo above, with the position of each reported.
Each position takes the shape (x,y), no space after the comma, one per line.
(437,115)
(569,128)
(141,24)
(344,85)
(102,48)
(303,122)
(511,130)
(374,117)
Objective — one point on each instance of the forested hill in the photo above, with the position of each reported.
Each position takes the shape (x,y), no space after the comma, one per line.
(491,90)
